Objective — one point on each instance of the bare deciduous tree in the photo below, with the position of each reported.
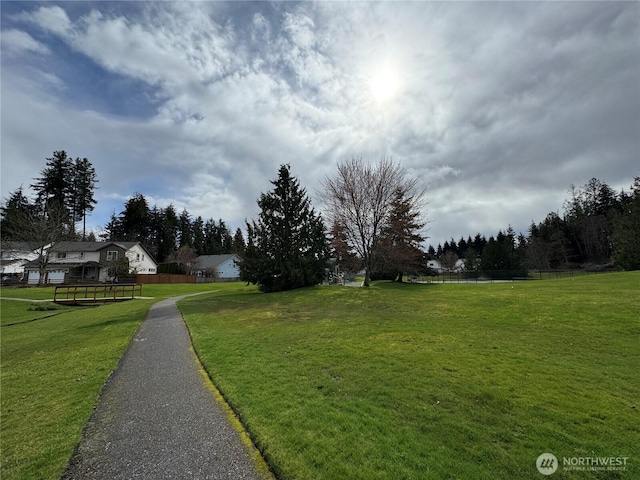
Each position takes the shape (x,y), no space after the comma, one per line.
(359,198)
(185,257)
(43,230)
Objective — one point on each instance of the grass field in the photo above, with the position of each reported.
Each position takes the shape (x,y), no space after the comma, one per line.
(430,381)
(54,362)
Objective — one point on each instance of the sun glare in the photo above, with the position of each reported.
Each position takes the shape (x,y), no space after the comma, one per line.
(384,85)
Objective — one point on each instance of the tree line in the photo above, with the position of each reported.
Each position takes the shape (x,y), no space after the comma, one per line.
(169,236)
(375,218)
(599,226)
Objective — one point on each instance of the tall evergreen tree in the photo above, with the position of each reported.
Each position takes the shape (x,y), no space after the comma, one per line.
(135,219)
(238,246)
(54,187)
(13,212)
(626,246)
(83,183)
(198,235)
(400,240)
(168,234)
(185,230)
(286,246)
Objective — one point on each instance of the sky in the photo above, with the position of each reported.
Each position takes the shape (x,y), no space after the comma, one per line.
(496,108)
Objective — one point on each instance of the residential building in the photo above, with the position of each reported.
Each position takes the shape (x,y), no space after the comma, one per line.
(211,268)
(72,262)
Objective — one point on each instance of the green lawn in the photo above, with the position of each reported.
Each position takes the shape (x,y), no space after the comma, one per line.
(430,381)
(54,362)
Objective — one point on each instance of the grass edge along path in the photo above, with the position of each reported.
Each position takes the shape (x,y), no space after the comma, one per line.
(430,381)
(53,366)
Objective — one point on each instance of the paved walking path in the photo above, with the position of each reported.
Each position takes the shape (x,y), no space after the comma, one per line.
(157,417)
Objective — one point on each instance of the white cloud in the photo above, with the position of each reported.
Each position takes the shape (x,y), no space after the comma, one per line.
(491,100)
(51,19)
(16,42)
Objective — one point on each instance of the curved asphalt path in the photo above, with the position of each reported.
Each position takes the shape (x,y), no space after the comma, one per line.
(157,417)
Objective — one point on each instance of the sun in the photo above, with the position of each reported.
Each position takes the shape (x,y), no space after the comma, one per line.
(384,85)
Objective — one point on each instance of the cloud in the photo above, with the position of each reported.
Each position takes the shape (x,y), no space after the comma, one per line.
(51,19)
(499,107)
(16,42)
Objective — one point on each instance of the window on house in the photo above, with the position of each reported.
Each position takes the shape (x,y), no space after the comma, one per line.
(112,255)
(137,257)
(62,254)
(81,254)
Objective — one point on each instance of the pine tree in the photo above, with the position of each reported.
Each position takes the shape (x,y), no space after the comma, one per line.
(400,239)
(13,211)
(185,230)
(83,183)
(238,246)
(135,220)
(626,247)
(198,235)
(54,188)
(286,246)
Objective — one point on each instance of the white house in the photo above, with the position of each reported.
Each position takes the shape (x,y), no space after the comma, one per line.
(216,267)
(14,256)
(437,266)
(90,261)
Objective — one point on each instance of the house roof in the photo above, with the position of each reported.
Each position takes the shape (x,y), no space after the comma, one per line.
(89,246)
(213,261)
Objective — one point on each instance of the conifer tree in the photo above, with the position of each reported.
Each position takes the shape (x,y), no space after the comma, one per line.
(399,248)
(286,246)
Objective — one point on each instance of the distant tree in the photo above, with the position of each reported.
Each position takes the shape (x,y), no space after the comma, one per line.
(400,244)
(184,258)
(168,232)
(462,247)
(198,236)
(360,198)
(626,235)
(286,246)
(185,230)
(479,242)
(83,183)
(449,260)
(54,187)
(238,246)
(69,185)
(538,251)
(13,211)
(134,222)
(499,258)
(589,215)
(471,261)
(217,238)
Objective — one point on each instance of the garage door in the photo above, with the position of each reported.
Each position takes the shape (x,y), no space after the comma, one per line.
(33,278)
(56,276)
